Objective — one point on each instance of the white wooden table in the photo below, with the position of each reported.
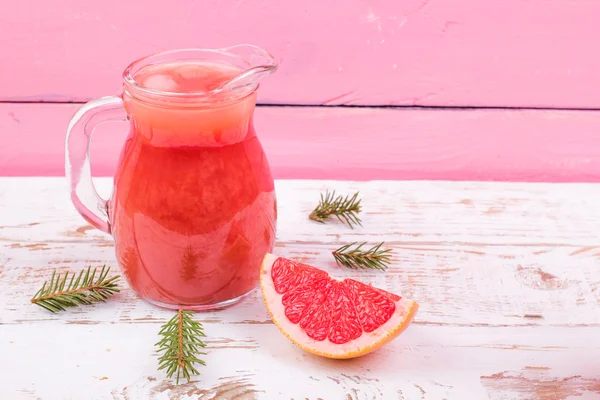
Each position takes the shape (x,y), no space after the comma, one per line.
(507,276)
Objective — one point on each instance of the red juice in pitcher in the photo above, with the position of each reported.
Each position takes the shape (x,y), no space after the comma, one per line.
(193,209)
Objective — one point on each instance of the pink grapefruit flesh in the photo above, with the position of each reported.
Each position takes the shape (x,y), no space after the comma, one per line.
(327,316)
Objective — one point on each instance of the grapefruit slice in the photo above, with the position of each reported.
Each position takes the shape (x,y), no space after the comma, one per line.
(330,317)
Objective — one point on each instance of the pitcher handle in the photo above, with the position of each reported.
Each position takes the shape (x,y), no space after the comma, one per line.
(84,196)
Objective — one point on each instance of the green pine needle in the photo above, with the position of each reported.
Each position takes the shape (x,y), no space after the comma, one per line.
(181,345)
(373,258)
(346,209)
(84,288)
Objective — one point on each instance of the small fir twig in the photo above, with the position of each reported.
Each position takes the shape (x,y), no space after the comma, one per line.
(85,288)
(373,258)
(346,209)
(181,345)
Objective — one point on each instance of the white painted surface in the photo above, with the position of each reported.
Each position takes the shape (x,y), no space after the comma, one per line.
(507,276)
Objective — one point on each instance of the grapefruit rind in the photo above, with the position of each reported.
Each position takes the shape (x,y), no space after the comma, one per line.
(366,343)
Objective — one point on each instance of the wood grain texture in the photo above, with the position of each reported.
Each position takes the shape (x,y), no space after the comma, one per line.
(506,274)
(352,143)
(415,52)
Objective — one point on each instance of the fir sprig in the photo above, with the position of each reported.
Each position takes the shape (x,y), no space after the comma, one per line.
(373,258)
(346,209)
(180,345)
(85,288)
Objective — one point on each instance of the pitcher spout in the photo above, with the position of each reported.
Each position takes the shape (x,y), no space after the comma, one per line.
(255,62)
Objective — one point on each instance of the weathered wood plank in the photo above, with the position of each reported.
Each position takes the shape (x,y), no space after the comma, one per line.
(458,285)
(403,213)
(352,143)
(412,52)
(255,362)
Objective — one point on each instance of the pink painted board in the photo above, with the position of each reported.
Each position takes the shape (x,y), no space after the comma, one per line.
(517,53)
(352,143)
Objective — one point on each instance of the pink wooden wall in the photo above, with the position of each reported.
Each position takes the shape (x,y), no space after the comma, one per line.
(510,55)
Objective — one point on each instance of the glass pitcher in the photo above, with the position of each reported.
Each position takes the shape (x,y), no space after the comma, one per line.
(193,208)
